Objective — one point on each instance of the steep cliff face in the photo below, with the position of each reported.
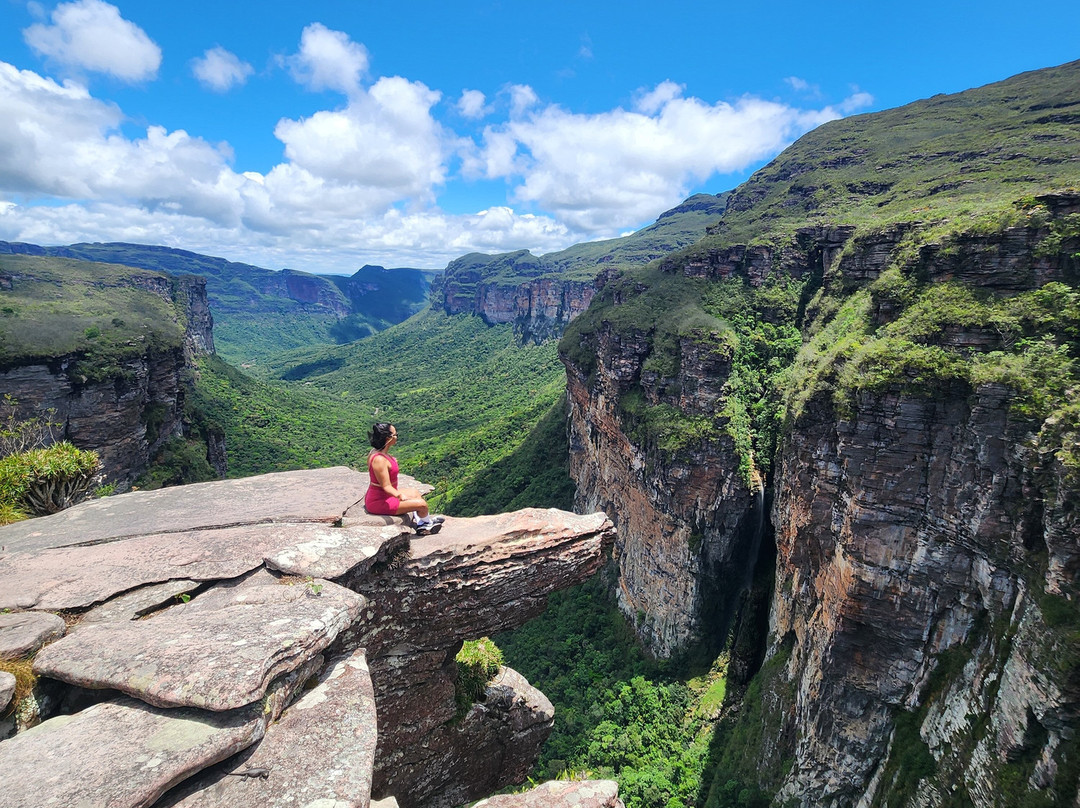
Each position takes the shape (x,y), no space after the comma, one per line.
(499,289)
(683,516)
(115,383)
(923,627)
(921,535)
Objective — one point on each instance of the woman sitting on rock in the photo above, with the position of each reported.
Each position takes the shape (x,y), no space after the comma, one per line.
(383,495)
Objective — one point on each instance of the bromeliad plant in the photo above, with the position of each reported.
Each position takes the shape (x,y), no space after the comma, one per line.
(38,476)
(44,481)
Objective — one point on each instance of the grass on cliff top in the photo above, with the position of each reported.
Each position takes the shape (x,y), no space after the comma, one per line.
(60,306)
(254,316)
(933,160)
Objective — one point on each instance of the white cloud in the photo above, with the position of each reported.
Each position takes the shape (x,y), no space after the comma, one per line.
(220,70)
(385,140)
(798,85)
(651,102)
(522,98)
(472,104)
(91,35)
(328,60)
(601,173)
(854,102)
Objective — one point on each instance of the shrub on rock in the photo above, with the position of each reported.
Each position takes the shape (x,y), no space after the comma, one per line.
(478,662)
(44,481)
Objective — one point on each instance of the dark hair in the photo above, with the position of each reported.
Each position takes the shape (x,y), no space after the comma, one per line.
(379,435)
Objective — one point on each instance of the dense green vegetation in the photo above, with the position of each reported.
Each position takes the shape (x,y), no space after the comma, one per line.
(57,307)
(617,714)
(38,476)
(460,409)
(535,475)
(462,394)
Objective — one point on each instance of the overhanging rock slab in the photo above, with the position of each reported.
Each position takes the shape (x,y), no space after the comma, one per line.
(219,652)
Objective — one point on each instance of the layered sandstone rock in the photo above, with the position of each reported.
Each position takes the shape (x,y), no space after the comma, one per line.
(928,556)
(685,523)
(280,648)
(538,307)
(131,414)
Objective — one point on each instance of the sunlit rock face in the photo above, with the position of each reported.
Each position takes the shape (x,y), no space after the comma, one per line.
(265,642)
(687,524)
(921,539)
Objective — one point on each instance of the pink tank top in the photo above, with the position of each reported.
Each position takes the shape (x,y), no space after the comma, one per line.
(376,500)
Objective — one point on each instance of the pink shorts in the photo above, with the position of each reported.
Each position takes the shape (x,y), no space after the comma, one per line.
(381,506)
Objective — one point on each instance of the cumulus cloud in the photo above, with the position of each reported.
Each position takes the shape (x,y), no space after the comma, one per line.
(91,35)
(385,140)
(58,140)
(472,104)
(328,60)
(652,101)
(220,70)
(603,172)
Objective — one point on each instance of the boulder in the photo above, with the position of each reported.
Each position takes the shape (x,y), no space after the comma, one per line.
(23,633)
(220,651)
(560,794)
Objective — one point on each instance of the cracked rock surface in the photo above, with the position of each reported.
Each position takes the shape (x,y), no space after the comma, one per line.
(263,642)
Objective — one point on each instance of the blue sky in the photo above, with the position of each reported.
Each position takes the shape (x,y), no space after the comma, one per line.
(325,135)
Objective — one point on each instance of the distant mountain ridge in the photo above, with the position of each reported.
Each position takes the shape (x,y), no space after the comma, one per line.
(261,311)
(541,294)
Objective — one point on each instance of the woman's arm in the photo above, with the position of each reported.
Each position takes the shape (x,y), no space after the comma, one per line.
(381,466)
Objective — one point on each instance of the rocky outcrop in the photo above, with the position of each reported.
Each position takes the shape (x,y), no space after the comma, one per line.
(271,644)
(124,402)
(514,288)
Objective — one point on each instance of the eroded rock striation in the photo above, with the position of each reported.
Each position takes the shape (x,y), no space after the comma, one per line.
(921,630)
(280,648)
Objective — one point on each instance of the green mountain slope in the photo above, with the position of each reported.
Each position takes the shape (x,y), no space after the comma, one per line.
(259,312)
(53,307)
(932,160)
(463,395)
